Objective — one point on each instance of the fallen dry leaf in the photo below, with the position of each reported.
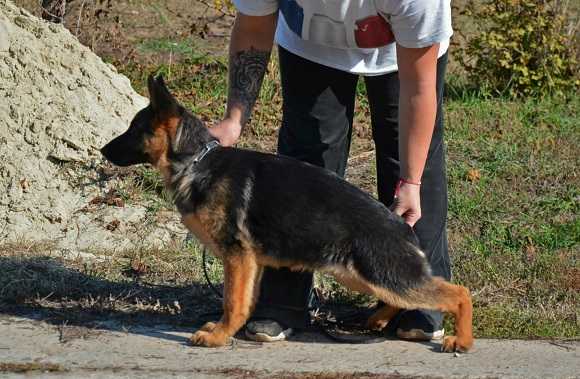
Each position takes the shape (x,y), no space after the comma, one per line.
(473,175)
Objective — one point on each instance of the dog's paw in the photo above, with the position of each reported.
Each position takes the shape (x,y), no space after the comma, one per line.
(207,339)
(451,344)
(208,326)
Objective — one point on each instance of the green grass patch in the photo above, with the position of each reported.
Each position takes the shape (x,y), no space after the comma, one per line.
(514,227)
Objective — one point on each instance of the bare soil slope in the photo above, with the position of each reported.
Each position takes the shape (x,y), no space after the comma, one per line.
(60,103)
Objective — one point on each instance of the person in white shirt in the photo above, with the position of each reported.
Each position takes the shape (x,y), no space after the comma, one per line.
(400,48)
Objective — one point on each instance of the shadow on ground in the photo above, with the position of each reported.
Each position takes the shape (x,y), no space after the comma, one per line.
(81,305)
(78,304)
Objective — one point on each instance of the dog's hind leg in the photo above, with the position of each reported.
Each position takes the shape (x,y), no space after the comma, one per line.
(241,280)
(435,293)
(454,299)
(381,317)
(438,294)
(351,280)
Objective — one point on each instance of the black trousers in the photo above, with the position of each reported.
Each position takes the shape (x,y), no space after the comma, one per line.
(318,107)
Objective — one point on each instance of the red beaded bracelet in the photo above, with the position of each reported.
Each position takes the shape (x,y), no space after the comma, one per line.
(402,181)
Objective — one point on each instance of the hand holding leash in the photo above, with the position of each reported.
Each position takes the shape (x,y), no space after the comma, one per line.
(408,201)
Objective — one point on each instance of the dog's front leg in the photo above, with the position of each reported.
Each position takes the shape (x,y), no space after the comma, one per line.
(241,276)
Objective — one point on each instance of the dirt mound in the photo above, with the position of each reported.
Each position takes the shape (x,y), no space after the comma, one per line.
(60,103)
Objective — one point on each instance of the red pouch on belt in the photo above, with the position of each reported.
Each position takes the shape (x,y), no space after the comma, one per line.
(373,31)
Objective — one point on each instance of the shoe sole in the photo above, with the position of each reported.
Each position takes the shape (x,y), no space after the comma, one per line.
(420,335)
(263,337)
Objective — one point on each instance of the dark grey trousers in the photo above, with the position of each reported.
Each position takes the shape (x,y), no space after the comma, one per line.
(318,107)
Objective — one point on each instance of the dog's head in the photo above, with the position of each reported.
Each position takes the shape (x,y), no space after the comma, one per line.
(163,128)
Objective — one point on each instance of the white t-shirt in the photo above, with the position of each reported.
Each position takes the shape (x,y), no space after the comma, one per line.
(356,35)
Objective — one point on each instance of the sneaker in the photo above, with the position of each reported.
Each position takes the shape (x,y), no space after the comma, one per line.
(267,331)
(420,325)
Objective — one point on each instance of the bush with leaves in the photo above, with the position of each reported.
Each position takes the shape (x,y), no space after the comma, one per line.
(522,47)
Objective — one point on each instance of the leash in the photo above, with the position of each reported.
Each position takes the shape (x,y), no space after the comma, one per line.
(207,279)
(325,325)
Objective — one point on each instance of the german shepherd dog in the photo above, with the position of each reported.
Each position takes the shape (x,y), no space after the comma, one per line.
(256,210)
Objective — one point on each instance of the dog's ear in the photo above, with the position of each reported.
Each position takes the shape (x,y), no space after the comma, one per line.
(162,101)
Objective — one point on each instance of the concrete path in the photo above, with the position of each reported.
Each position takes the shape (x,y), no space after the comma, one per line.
(43,350)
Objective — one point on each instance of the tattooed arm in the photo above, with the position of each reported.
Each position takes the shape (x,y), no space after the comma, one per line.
(247,68)
(250,46)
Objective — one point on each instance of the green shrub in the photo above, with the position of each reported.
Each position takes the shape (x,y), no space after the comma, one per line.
(522,47)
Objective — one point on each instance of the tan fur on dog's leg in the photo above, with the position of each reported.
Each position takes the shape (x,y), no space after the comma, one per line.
(435,294)
(381,317)
(208,326)
(446,297)
(459,304)
(353,281)
(240,274)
